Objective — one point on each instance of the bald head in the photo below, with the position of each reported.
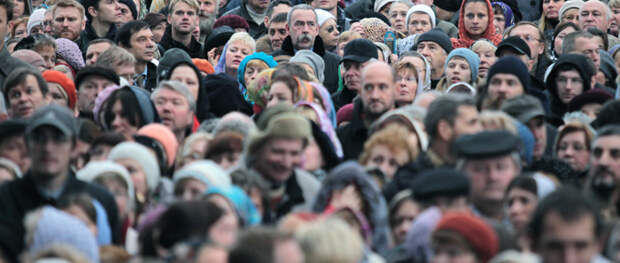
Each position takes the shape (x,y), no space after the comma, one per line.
(378,89)
(380,68)
(594,14)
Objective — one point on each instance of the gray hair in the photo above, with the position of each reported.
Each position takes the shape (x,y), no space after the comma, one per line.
(569,42)
(114,56)
(605,6)
(178,87)
(445,107)
(301,7)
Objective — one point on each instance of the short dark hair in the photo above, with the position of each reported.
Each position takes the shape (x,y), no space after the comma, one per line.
(598,33)
(279,18)
(445,107)
(257,245)
(608,130)
(154,19)
(18,76)
(568,44)
(128,102)
(123,36)
(608,114)
(87,4)
(571,205)
(8,5)
(273,5)
(523,182)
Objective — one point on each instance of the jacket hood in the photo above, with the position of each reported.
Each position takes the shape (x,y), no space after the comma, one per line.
(577,62)
(202,101)
(465,40)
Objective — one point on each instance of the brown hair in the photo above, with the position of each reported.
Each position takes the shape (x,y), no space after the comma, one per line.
(394,137)
(69,3)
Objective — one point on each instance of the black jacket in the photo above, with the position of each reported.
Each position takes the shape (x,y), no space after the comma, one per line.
(343,97)
(224,95)
(167,43)
(151,77)
(353,135)
(8,64)
(89,34)
(331,60)
(360,9)
(256,30)
(406,174)
(21,196)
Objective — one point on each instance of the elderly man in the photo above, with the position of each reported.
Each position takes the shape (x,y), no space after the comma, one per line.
(303,28)
(175,106)
(434,45)
(377,93)
(596,14)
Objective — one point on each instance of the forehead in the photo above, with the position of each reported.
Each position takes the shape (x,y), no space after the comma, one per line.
(238,44)
(504,77)
(303,14)
(94,79)
(523,29)
(182,6)
(70,11)
(167,92)
(420,15)
(285,143)
(98,46)
(277,25)
(377,72)
(611,141)
(397,6)
(142,32)
(491,160)
(555,225)
(570,72)
(428,43)
(593,6)
(458,59)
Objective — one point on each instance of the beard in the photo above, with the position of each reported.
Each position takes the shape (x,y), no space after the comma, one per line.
(603,184)
(304,37)
(206,26)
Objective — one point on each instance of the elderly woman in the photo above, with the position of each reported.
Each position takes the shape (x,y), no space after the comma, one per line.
(250,67)
(407,83)
(486,52)
(504,17)
(398,15)
(240,45)
(572,144)
(420,19)
(422,65)
(388,149)
(328,29)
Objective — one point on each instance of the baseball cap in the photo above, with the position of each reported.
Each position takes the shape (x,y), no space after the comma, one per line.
(359,50)
(516,44)
(523,108)
(53,115)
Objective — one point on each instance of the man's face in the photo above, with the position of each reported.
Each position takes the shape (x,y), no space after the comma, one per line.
(126,14)
(490,177)
(183,18)
(593,15)
(378,89)
(108,11)
(279,157)
(353,74)
(259,4)
(94,50)
(25,98)
(173,109)
(303,29)
(605,159)
(47,23)
(538,129)
(569,84)
(572,241)
(435,55)
(589,48)
(67,23)
(142,45)
(208,9)
(88,90)
(324,4)
(51,150)
(467,121)
(277,33)
(530,35)
(503,86)
(14,148)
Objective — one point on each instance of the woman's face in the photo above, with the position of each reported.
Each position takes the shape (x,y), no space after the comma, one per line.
(476,19)
(138,177)
(19,8)
(224,231)
(189,189)
(57,95)
(401,220)
(487,59)
(419,23)
(418,63)
(279,93)
(458,71)
(158,31)
(251,72)
(329,34)
(557,42)
(406,86)
(118,189)
(188,76)
(521,205)
(551,8)
(573,149)
(120,124)
(499,21)
(387,161)
(235,53)
(398,14)
(197,151)
(571,15)
(20,31)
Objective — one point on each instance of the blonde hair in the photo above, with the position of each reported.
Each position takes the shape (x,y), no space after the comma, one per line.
(614,3)
(330,240)
(497,120)
(483,44)
(192,3)
(394,137)
(18,21)
(243,37)
(69,3)
(348,36)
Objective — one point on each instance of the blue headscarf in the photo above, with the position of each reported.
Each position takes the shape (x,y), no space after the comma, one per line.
(508,16)
(241,70)
(220,67)
(241,201)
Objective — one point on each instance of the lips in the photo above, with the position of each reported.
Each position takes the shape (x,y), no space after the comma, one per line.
(25,110)
(455,79)
(236,62)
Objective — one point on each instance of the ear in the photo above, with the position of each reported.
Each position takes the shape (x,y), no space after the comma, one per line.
(444,130)
(592,82)
(266,21)
(83,26)
(287,28)
(169,19)
(92,11)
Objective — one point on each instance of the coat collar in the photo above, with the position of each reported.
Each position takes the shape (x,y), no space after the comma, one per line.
(318,47)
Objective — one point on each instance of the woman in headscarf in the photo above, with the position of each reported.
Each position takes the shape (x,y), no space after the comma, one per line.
(250,67)
(475,22)
(423,67)
(503,17)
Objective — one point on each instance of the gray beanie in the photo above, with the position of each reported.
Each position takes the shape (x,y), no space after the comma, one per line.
(315,61)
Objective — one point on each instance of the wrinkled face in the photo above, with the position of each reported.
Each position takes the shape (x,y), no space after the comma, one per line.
(378,90)
(14,149)
(551,8)
(403,218)
(557,42)
(490,177)
(279,157)
(593,15)
(573,148)
(120,123)
(235,53)
(352,74)
(406,87)
(67,23)
(499,21)
(107,11)
(538,129)
(487,59)
(419,23)
(521,205)
(138,177)
(25,98)
(458,70)
(476,18)
(569,84)
(51,150)
(188,76)
(173,110)
(158,31)
(386,160)
(589,48)
(504,86)
(435,55)
(57,94)
(303,29)
(279,93)
(94,50)
(183,18)
(251,72)
(329,33)
(208,9)
(605,159)
(189,189)
(567,241)
(277,33)
(88,90)
(142,45)
(397,16)
(531,36)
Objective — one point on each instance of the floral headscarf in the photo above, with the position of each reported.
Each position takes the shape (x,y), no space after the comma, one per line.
(374,28)
(508,15)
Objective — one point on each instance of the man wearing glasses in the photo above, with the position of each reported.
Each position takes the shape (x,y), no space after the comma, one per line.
(535,40)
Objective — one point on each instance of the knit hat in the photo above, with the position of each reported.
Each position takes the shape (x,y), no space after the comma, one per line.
(421,9)
(217,38)
(8,164)
(132,7)
(285,125)
(164,136)
(140,154)
(97,71)
(56,227)
(70,52)
(345,113)
(205,171)
(598,96)
(258,55)
(472,59)
(242,203)
(578,62)
(323,16)
(96,169)
(310,58)
(203,65)
(233,21)
(170,58)
(511,65)
(448,5)
(570,5)
(35,19)
(31,57)
(437,36)
(54,76)
(480,236)
(379,4)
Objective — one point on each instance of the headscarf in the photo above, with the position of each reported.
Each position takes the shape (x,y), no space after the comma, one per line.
(326,125)
(242,203)
(271,63)
(221,63)
(465,39)
(328,104)
(374,28)
(508,15)
(259,89)
(426,83)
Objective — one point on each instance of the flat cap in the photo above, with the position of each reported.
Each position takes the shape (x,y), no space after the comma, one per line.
(442,182)
(523,108)
(486,144)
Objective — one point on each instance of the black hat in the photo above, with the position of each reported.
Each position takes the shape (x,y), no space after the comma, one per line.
(97,71)
(132,7)
(598,96)
(359,50)
(515,43)
(12,127)
(523,108)
(437,36)
(577,62)
(486,144)
(218,37)
(442,182)
(448,5)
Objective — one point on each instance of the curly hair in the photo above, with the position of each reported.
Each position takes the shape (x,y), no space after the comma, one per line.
(394,137)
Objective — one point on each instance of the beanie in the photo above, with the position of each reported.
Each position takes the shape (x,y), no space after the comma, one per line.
(511,65)
(233,21)
(271,63)
(472,59)
(70,52)
(132,7)
(323,16)
(205,171)
(448,5)
(54,76)
(480,236)
(421,9)
(35,19)
(170,58)
(140,154)
(570,5)
(437,36)
(95,169)
(379,4)
(313,60)
(203,65)
(164,136)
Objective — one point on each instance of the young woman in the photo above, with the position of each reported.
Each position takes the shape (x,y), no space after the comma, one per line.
(476,22)
(573,145)
(461,66)
(550,16)
(521,199)
(121,114)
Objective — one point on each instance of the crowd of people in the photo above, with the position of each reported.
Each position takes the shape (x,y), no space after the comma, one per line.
(309,131)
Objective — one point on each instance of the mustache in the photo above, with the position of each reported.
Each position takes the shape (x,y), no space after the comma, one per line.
(304,36)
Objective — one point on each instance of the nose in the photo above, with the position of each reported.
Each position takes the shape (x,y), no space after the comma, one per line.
(117,121)
(515,208)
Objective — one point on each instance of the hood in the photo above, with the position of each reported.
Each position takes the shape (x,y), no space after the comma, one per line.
(578,62)
(465,40)
(202,101)
(171,58)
